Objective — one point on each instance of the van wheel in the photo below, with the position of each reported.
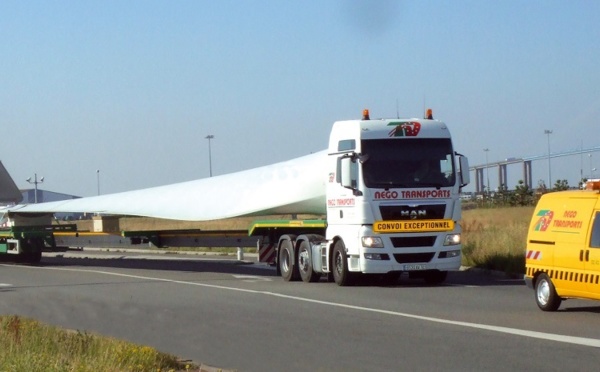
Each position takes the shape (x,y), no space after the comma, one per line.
(545,295)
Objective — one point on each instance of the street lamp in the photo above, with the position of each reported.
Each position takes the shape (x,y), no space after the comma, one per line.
(98,180)
(487,169)
(209,137)
(35,182)
(591,169)
(549,132)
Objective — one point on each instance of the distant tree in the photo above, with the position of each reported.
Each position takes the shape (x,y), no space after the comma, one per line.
(561,185)
(541,188)
(502,196)
(522,195)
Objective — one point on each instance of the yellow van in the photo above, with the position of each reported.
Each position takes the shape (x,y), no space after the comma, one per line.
(562,259)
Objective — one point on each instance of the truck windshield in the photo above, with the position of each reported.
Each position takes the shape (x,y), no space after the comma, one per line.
(408,163)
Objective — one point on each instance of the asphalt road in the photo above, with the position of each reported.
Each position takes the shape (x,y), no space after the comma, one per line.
(241,316)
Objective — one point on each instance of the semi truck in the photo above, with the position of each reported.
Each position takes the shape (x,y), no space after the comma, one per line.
(392,205)
(386,193)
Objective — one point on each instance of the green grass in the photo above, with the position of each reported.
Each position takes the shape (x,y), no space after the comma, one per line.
(28,345)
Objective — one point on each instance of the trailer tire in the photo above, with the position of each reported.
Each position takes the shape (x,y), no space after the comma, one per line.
(545,294)
(341,274)
(305,263)
(33,254)
(287,267)
(34,257)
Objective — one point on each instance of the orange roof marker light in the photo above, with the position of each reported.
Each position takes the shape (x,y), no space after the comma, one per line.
(366,114)
(429,114)
(592,185)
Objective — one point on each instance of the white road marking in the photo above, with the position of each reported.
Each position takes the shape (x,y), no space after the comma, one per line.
(4,285)
(584,341)
(462,285)
(252,278)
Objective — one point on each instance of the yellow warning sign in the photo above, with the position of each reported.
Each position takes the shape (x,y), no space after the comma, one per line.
(413,226)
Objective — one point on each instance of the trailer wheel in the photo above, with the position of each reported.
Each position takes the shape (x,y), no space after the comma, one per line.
(545,294)
(304,261)
(34,257)
(289,270)
(341,275)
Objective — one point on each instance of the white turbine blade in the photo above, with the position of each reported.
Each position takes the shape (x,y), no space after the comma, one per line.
(294,186)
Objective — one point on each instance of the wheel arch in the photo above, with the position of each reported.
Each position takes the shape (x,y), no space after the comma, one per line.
(311,238)
(332,244)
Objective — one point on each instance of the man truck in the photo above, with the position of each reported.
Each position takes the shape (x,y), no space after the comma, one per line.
(392,205)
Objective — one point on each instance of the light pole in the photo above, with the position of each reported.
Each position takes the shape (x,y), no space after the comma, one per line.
(98,180)
(487,169)
(590,156)
(209,137)
(549,132)
(35,182)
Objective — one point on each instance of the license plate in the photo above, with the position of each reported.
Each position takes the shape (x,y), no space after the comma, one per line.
(415,267)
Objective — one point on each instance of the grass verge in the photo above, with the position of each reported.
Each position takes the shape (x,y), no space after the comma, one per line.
(494,238)
(29,345)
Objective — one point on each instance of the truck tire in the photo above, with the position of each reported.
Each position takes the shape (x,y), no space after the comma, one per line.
(289,270)
(545,294)
(304,261)
(435,276)
(341,275)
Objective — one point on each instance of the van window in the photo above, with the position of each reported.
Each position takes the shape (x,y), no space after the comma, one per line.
(595,239)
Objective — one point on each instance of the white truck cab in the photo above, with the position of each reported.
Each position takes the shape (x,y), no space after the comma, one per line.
(393,198)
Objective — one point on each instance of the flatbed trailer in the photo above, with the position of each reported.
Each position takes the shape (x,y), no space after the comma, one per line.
(26,243)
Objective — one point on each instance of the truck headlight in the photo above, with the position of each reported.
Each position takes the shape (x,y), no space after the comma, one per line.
(372,242)
(452,239)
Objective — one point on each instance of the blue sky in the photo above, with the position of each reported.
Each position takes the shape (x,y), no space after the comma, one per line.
(132,88)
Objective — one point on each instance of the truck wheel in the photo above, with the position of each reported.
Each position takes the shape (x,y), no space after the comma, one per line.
(289,271)
(341,275)
(545,294)
(435,276)
(304,261)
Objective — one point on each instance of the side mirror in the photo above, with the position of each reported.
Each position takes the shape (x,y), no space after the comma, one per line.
(346,173)
(465,176)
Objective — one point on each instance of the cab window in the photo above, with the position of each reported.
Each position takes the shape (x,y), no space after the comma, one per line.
(595,238)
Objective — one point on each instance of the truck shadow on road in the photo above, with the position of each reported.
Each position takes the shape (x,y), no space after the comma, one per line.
(225,265)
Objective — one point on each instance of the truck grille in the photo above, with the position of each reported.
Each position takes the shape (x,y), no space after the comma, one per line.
(412,212)
(406,242)
(413,257)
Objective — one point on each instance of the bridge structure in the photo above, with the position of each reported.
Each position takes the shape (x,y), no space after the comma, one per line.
(525,162)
